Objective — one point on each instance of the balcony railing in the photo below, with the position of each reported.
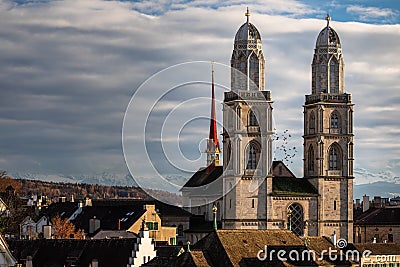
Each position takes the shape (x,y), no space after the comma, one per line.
(341,98)
(253,129)
(334,173)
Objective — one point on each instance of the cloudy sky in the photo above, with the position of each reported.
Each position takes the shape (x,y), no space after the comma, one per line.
(70,68)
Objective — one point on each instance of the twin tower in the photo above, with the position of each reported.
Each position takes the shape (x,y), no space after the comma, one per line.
(259,193)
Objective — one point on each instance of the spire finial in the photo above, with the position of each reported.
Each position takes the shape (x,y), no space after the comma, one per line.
(328,18)
(247,14)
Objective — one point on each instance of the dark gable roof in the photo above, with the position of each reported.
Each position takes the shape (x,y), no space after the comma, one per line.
(64,209)
(109,216)
(205,176)
(289,186)
(285,170)
(162,208)
(57,252)
(380,216)
(127,211)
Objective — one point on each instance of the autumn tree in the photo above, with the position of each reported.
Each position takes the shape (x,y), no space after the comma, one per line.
(64,229)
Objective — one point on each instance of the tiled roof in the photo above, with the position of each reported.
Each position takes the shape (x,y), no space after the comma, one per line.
(56,252)
(377,248)
(379,216)
(292,186)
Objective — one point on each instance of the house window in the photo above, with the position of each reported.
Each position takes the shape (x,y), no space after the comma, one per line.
(144,259)
(280,170)
(150,225)
(156,226)
(334,121)
(180,230)
(334,158)
(172,241)
(252,119)
(390,238)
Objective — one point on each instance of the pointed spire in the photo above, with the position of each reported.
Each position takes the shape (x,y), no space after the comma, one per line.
(213,122)
(213,148)
(247,14)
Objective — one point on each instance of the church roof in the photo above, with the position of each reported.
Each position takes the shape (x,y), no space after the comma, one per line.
(247,32)
(205,176)
(328,36)
(292,186)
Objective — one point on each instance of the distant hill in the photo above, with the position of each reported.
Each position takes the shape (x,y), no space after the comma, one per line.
(383,189)
(25,187)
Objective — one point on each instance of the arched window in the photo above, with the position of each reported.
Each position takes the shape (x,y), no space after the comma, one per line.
(334,157)
(312,122)
(334,120)
(253,72)
(253,151)
(333,77)
(311,158)
(296,218)
(252,119)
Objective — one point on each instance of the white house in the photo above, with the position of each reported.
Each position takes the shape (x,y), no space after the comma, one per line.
(6,258)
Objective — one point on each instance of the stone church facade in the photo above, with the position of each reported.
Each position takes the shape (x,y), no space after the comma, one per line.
(259,193)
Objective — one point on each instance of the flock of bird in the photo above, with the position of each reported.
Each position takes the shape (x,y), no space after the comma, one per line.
(288,152)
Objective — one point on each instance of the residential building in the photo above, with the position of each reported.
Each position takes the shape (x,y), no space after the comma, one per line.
(378,225)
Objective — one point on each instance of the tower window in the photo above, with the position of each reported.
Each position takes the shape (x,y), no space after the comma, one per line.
(253,151)
(312,123)
(334,156)
(334,205)
(252,119)
(311,158)
(334,121)
(333,77)
(252,203)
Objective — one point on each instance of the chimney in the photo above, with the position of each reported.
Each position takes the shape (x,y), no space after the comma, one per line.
(333,238)
(365,203)
(94,225)
(358,205)
(95,263)
(29,262)
(47,231)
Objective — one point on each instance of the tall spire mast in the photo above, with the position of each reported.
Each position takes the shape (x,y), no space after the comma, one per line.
(213,148)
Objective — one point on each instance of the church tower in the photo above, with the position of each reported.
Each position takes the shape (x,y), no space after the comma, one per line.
(328,138)
(247,137)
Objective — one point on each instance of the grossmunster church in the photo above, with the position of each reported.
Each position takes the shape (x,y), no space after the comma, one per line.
(251,191)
